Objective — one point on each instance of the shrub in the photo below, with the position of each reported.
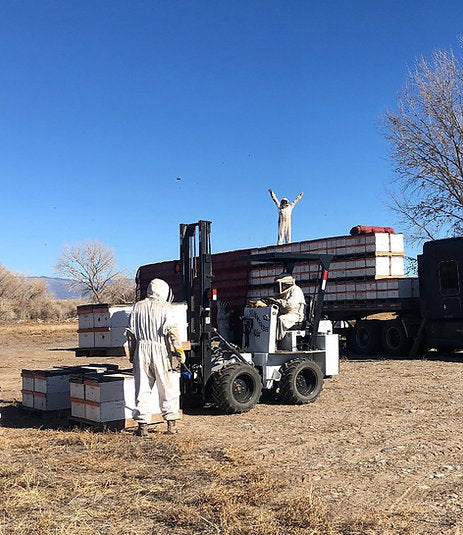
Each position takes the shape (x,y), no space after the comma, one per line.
(23,299)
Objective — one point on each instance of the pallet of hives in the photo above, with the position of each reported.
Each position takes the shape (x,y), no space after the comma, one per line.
(372,244)
(107,400)
(48,390)
(102,330)
(355,267)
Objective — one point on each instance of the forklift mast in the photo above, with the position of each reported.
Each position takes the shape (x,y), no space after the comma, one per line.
(196,273)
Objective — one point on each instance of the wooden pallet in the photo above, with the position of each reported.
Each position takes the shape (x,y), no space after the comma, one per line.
(55,416)
(114,425)
(100,352)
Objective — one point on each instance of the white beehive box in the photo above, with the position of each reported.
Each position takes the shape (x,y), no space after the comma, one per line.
(51,381)
(119,316)
(51,402)
(181,317)
(101,319)
(27,398)
(76,387)
(86,339)
(77,408)
(106,412)
(397,267)
(396,243)
(117,336)
(85,316)
(112,397)
(103,337)
(110,388)
(27,377)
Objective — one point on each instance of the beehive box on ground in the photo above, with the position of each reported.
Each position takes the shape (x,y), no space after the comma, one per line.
(108,398)
(49,389)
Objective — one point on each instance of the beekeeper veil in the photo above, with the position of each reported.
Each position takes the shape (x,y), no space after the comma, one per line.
(282,283)
(159,290)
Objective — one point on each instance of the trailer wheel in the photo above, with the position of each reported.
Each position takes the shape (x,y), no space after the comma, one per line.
(236,388)
(365,337)
(394,339)
(301,381)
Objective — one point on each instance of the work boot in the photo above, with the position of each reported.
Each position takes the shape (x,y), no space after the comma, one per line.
(142,430)
(171,427)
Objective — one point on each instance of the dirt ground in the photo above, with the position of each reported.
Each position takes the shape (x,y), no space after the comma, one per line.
(383,440)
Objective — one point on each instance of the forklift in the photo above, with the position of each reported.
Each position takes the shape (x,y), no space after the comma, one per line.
(233,378)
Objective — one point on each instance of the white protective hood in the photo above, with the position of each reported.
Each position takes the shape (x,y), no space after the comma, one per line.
(159,290)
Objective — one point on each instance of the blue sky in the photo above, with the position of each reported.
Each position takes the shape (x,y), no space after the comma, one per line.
(103,104)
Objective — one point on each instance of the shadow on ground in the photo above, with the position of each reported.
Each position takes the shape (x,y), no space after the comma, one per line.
(19,417)
(430,355)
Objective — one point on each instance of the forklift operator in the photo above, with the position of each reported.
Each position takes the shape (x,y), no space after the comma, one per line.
(291,301)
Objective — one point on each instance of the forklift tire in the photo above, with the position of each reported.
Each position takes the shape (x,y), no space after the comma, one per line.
(365,338)
(236,388)
(394,340)
(301,381)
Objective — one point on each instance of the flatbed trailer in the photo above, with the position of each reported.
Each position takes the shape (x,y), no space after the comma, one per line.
(422,312)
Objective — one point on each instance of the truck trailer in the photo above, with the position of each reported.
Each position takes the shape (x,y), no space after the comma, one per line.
(367,296)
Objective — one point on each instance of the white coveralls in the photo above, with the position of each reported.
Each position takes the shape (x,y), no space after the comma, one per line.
(153,323)
(284,217)
(292,310)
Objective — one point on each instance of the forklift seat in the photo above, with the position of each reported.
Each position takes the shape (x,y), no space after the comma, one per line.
(302,325)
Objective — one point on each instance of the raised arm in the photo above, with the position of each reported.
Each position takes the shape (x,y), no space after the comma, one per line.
(274,198)
(297,199)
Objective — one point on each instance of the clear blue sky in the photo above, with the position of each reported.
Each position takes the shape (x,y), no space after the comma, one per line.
(103,104)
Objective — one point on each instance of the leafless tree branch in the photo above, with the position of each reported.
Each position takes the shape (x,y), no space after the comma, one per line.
(425,134)
(90,265)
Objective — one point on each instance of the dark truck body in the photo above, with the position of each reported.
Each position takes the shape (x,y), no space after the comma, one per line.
(428,306)
(440,273)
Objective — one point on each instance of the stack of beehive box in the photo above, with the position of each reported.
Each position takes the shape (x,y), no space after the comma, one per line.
(49,390)
(366,266)
(107,397)
(101,326)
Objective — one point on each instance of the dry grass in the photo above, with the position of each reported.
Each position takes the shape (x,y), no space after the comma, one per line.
(37,332)
(61,482)
(76,481)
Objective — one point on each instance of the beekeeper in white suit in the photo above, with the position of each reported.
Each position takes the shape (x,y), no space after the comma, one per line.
(284,216)
(157,341)
(291,301)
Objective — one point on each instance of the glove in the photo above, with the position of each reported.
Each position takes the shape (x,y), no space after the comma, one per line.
(180,354)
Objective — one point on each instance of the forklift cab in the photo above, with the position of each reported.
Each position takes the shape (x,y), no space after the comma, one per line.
(260,324)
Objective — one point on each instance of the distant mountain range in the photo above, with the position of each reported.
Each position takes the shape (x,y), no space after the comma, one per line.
(60,288)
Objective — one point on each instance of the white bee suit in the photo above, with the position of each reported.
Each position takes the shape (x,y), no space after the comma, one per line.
(292,310)
(154,325)
(284,217)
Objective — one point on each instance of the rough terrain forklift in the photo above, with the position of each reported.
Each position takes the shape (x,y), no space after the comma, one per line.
(231,377)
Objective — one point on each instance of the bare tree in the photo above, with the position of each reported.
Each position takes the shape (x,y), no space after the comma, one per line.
(120,291)
(90,266)
(426,138)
